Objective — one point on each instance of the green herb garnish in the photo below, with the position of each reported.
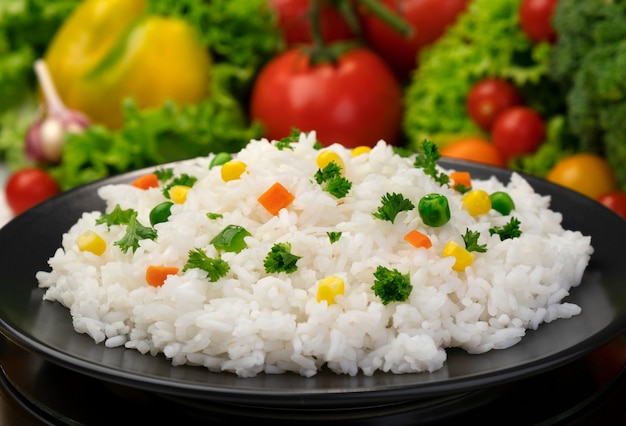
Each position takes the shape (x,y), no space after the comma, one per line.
(427,158)
(509,230)
(215,268)
(280,259)
(333,236)
(135,231)
(391,205)
(391,285)
(471,241)
(331,180)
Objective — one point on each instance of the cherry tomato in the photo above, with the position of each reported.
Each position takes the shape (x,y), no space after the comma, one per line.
(27,187)
(356,101)
(536,20)
(517,130)
(429,19)
(488,98)
(616,201)
(473,149)
(294,21)
(587,173)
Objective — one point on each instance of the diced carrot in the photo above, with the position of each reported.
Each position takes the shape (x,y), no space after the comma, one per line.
(275,198)
(417,239)
(156,275)
(146,181)
(461,178)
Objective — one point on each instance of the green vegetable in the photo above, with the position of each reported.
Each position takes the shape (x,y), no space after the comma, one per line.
(231,238)
(391,205)
(502,202)
(331,180)
(161,212)
(426,158)
(509,230)
(434,209)
(215,268)
(485,41)
(470,238)
(333,236)
(280,259)
(213,216)
(219,159)
(391,285)
(135,231)
(590,66)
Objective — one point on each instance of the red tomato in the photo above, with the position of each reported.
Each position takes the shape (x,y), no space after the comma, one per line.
(536,20)
(488,98)
(356,101)
(27,187)
(616,201)
(295,22)
(518,130)
(429,19)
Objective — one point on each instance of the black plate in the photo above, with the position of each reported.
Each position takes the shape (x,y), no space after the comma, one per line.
(46,328)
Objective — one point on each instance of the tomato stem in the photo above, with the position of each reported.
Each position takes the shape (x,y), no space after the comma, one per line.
(388,16)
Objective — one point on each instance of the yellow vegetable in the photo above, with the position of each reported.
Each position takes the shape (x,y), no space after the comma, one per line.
(360,150)
(463,257)
(233,170)
(108,50)
(178,193)
(324,158)
(328,288)
(477,202)
(92,242)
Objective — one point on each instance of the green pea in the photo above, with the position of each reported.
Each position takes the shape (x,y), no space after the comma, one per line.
(502,202)
(434,209)
(219,159)
(161,212)
(231,238)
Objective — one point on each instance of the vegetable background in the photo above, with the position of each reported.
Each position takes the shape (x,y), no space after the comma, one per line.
(575,84)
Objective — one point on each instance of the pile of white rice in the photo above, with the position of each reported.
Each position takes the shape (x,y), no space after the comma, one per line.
(251,321)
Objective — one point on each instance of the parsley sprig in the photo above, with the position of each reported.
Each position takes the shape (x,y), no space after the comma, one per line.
(391,205)
(391,285)
(427,158)
(332,181)
(135,231)
(471,241)
(509,230)
(215,268)
(280,259)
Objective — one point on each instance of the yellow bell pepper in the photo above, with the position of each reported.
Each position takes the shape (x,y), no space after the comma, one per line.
(108,50)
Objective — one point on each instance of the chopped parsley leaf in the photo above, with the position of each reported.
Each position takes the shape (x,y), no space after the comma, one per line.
(280,259)
(391,285)
(391,205)
(471,241)
(215,268)
(509,230)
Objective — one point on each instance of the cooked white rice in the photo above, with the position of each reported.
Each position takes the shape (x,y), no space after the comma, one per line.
(251,321)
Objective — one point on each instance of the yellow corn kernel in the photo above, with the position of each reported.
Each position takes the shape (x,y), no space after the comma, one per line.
(360,150)
(92,242)
(233,170)
(477,202)
(463,257)
(326,157)
(328,288)
(178,193)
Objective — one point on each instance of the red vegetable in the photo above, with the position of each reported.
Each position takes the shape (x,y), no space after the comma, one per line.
(616,201)
(355,101)
(276,197)
(429,19)
(517,131)
(146,181)
(488,98)
(28,187)
(294,21)
(156,275)
(536,20)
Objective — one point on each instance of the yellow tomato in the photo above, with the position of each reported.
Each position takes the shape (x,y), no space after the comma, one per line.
(587,173)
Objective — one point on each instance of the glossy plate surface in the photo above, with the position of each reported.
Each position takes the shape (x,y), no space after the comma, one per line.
(45,328)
